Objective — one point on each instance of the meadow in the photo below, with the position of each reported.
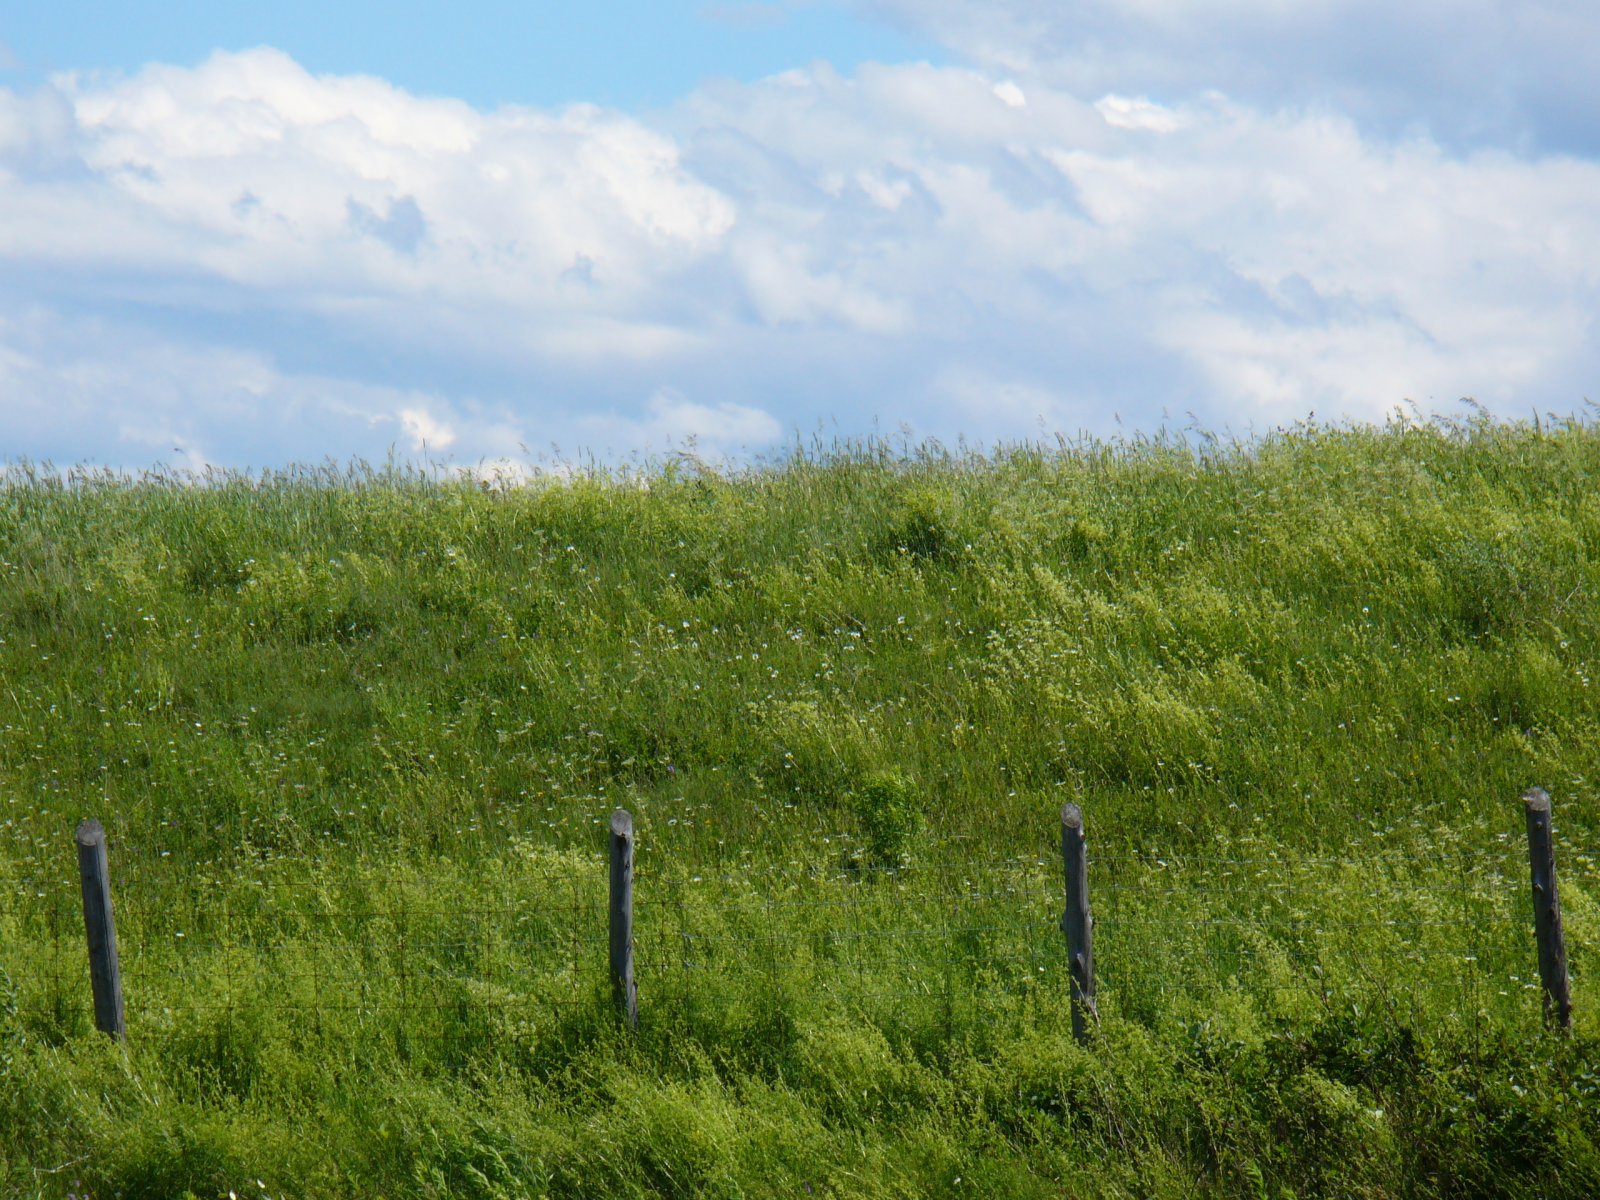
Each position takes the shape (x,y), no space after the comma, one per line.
(355,735)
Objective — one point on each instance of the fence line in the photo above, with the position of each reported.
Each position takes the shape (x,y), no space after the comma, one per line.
(962,932)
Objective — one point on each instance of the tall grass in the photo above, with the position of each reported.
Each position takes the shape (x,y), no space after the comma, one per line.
(351,725)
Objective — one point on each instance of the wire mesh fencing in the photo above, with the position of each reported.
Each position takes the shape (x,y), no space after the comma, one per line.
(932,942)
(1446,941)
(384,958)
(950,944)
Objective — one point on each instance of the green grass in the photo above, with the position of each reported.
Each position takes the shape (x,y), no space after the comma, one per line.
(355,735)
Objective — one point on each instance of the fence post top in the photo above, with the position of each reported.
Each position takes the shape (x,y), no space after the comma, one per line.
(90,832)
(1072,816)
(1536,800)
(622,823)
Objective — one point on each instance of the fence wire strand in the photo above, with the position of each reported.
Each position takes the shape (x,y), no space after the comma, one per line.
(959,933)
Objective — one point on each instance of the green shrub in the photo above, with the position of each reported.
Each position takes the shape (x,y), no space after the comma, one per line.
(887,809)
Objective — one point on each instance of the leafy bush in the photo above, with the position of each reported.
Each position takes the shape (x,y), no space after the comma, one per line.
(887,809)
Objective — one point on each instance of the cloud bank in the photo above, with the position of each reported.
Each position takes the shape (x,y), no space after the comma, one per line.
(243,263)
(1523,74)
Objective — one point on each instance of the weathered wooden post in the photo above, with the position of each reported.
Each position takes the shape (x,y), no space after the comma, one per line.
(624,991)
(1077,924)
(105,976)
(1547,910)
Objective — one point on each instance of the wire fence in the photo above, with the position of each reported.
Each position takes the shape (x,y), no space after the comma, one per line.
(951,944)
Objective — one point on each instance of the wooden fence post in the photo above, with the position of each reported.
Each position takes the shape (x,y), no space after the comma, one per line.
(105,976)
(624,991)
(1547,910)
(1077,924)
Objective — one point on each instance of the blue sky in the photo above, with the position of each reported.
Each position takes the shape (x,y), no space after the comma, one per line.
(636,54)
(501,235)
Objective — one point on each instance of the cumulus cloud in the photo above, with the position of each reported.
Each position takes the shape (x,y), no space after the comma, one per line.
(252,263)
(1205,255)
(426,431)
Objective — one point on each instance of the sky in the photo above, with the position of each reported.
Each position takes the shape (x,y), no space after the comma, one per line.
(503,235)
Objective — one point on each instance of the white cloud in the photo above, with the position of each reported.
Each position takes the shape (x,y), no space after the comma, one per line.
(1016,409)
(84,389)
(425,431)
(1138,113)
(1470,72)
(252,263)
(255,172)
(1010,94)
(672,421)
(785,289)
(725,425)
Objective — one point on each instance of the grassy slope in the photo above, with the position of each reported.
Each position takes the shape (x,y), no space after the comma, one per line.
(333,690)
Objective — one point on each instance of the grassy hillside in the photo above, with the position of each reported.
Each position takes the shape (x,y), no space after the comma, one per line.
(354,736)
